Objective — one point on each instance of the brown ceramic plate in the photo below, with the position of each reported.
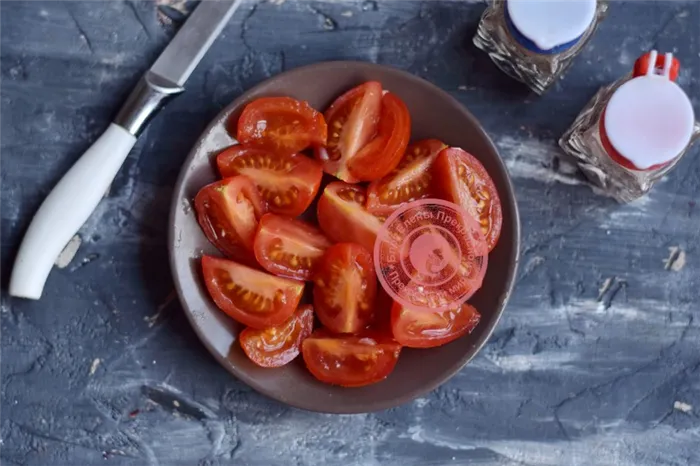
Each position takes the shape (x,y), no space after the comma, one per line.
(436,115)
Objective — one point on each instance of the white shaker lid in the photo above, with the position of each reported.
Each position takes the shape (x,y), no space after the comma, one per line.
(550,23)
(649,120)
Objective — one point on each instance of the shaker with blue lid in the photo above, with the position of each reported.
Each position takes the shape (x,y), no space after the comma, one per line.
(634,130)
(535,41)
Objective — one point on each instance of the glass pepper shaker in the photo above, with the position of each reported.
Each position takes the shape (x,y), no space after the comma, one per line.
(634,130)
(535,41)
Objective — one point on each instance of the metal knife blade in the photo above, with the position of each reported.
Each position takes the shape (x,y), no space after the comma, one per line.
(194,38)
(77,194)
(175,64)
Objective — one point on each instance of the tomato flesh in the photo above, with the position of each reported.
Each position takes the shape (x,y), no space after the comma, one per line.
(228,212)
(425,329)
(353,120)
(288,183)
(460,178)
(383,153)
(409,181)
(279,345)
(350,361)
(345,286)
(343,217)
(281,125)
(288,247)
(251,297)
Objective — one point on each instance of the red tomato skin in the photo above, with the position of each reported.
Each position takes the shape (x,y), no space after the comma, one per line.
(413,171)
(287,183)
(353,120)
(342,263)
(273,228)
(377,358)
(457,324)
(213,206)
(383,154)
(301,125)
(302,322)
(283,308)
(343,218)
(449,169)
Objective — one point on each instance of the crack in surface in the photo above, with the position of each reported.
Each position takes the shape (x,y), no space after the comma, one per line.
(81,32)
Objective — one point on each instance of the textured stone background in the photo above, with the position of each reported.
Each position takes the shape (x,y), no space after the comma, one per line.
(595,362)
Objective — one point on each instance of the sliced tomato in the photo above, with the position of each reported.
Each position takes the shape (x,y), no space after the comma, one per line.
(424,329)
(253,298)
(288,247)
(279,345)
(345,286)
(383,153)
(349,361)
(228,212)
(382,312)
(409,181)
(288,182)
(343,217)
(353,120)
(281,125)
(460,178)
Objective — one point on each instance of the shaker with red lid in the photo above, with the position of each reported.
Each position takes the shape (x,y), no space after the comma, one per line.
(634,130)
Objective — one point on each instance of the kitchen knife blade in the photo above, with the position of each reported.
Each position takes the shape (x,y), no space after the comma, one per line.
(76,195)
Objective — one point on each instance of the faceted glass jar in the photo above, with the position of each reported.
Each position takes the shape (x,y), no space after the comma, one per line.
(536,70)
(582,142)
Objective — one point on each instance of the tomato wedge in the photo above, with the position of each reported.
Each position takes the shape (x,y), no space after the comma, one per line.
(228,212)
(288,247)
(381,155)
(408,182)
(353,120)
(464,181)
(345,286)
(343,217)
(251,297)
(288,182)
(279,345)
(282,125)
(349,361)
(423,329)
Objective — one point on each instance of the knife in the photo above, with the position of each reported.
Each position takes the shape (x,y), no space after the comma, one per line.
(75,197)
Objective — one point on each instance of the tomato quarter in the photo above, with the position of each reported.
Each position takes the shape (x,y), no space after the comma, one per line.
(424,329)
(383,153)
(251,297)
(464,181)
(228,212)
(353,120)
(345,286)
(282,125)
(277,346)
(349,361)
(343,217)
(288,183)
(288,247)
(408,182)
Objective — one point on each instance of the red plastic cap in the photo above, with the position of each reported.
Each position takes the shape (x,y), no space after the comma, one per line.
(641,66)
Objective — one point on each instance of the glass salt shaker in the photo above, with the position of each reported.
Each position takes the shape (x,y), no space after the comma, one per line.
(535,41)
(634,130)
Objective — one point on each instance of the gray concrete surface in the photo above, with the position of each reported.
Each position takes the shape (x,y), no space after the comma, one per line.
(595,362)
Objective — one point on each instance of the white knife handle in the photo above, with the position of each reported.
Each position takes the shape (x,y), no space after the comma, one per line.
(66,208)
